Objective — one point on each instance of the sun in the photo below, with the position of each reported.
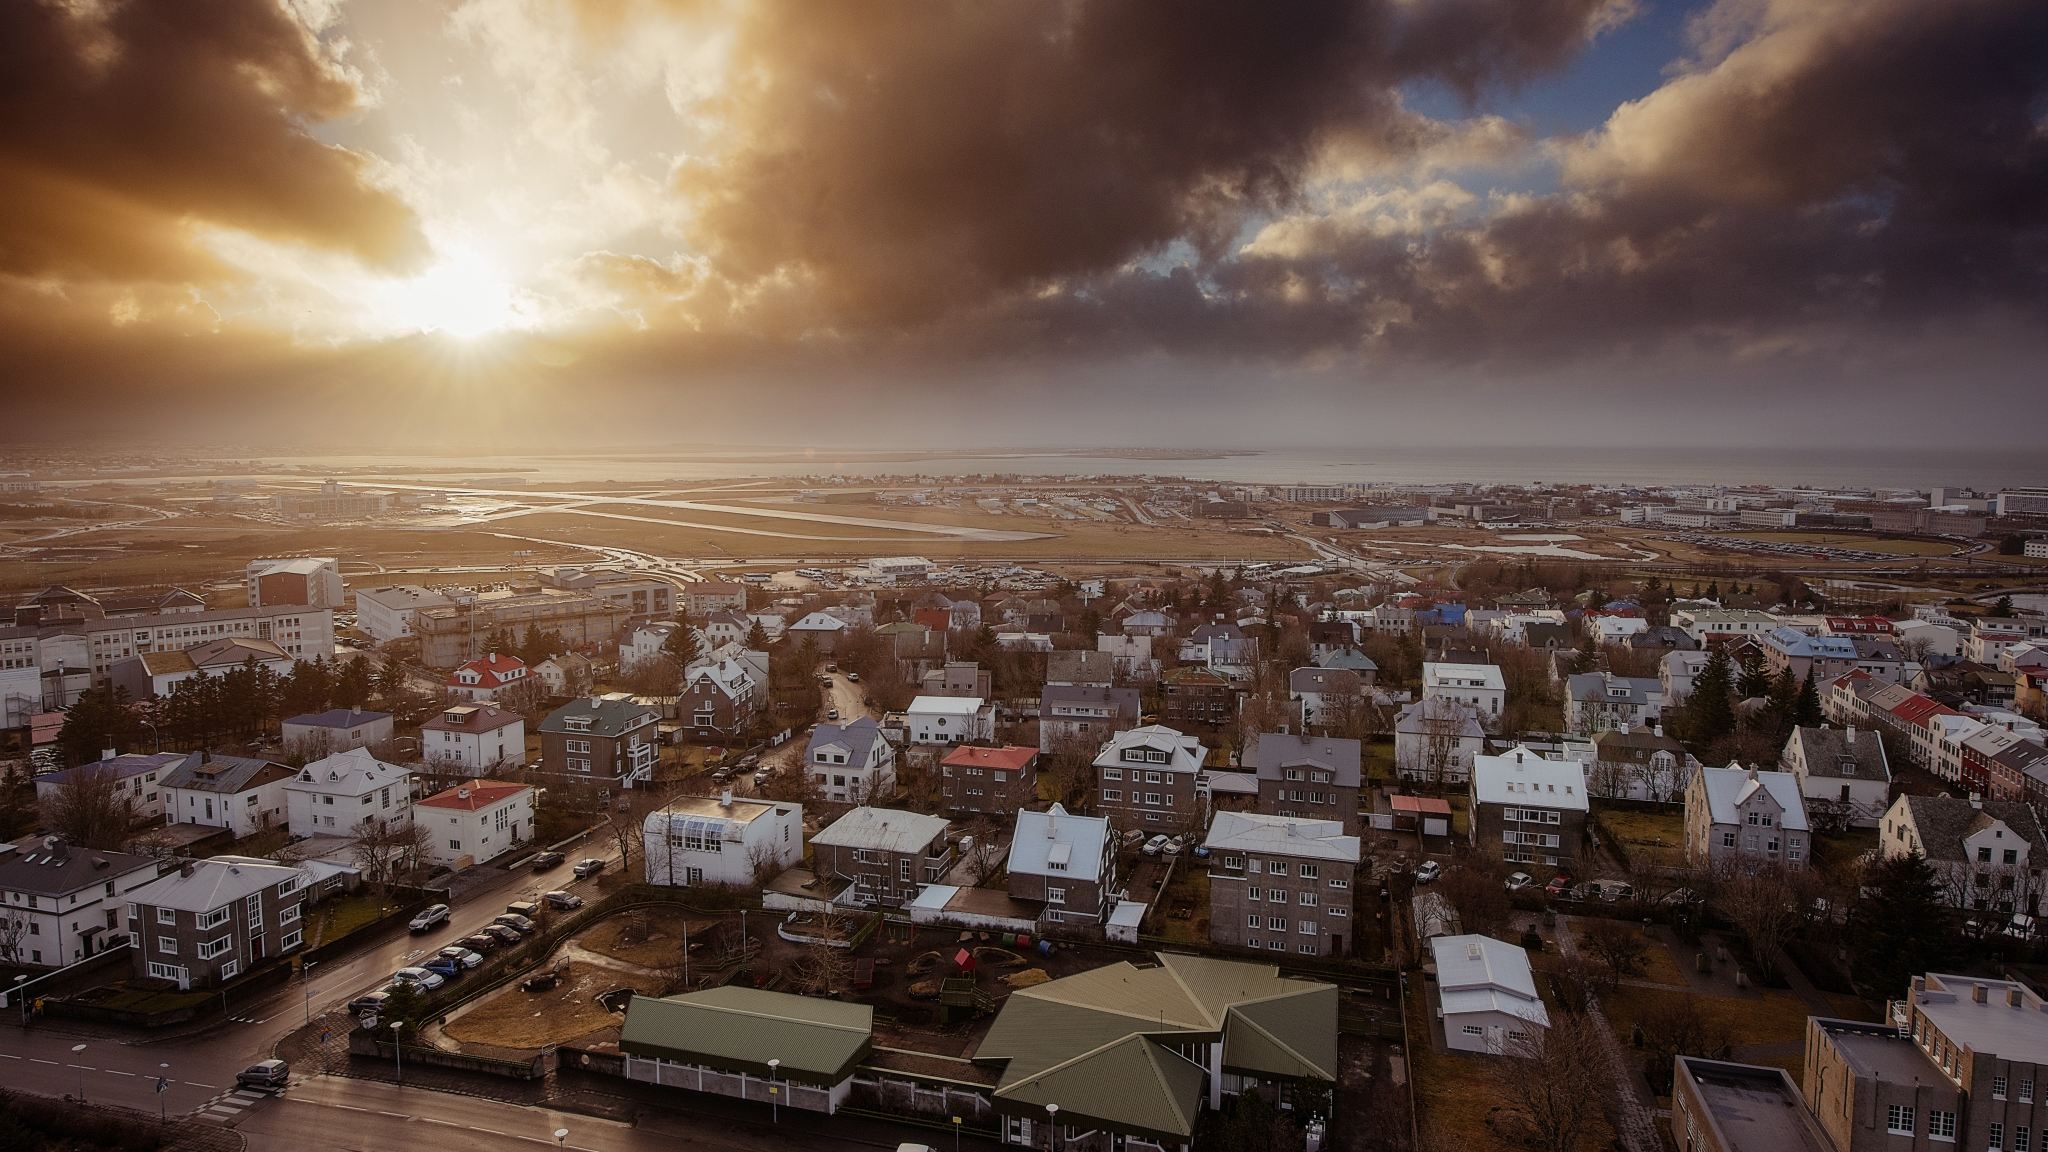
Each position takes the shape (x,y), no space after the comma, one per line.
(463,296)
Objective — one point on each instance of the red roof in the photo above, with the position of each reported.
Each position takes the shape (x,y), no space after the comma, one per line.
(1426,805)
(938,619)
(1918,710)
(493,671)
(1012,756)
(471,795)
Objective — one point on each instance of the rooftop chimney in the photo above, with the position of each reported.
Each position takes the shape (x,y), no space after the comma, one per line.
(185,869)
(462,793)
(1978,993)
(1851,737)
(725,798)
(2013,998)
(1919,983)
(108,754)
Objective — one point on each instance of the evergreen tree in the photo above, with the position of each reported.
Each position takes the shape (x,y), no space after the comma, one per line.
(1807,712)
(1714,590)
(100,719)
(391,677)
(2003,608)
(1709,715)
(499,641)
(1755,680)
(757,638)
(352,687)
(1903,930)
(685,646)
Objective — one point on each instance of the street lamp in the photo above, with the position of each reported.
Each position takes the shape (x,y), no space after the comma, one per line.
(1052,1125)
(774,1100)
(561,1137)
(76,1049)
(163,1085)
(398,1049)
(21,994)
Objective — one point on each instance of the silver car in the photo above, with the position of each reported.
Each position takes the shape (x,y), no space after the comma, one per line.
(420,978)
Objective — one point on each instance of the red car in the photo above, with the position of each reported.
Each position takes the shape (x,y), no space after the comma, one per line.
(1559,886)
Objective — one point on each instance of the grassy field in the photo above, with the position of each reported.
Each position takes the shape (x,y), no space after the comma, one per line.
(342,915)
(1644,828)
(1774,1018)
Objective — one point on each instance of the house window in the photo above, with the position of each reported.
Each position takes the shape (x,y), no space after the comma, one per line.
(212,948)
(229,969)
(1899,1120)
(1996,1138)
(291,941)
(1253,892)
(1307,899)
(1998,1087)
(1112,795)
(1305,949)
(1941,1125)
(1306,927)
(1252,921)
(1112,773)
(455,845)
(289,915)
(217,916)
(1727,839)
(1310,871)
(1151,777)
(1151,797)
(1277,924)
(1276,867)
(1473,1030)
(1339,882)
(1055,895)
(1339,910)
(168,945)
(903,870)
(163,915)
(2026,1091)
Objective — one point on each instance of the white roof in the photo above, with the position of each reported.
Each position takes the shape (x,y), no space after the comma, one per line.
(211,885)
(818,622)
(1054,836)
(1234,783)
(1481,974)
(1519,776)
(1128,913)
(945,705)
(349,773)
(1186,753)
(1727,788)
(1463,675)
(2016,1034)
(886,829)
(1256,832)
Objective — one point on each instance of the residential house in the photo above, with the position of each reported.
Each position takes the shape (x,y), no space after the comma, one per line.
(1488,996)
(1088,713)
(477,821)
(720,699)
(1987,855)
(211,921)
(1131,656)
(958,678)
(337,730)
(1676,672)
(60,904)
(727,627)
(1615,629)
(820,629)
(1066,862)
(1599,701)
(917,651)
(974,778)
(476,737)
(610,739)
(1139,1052)
(1840,775)
(1533,810)
(134,778)
(1147,623)
(1197,695)
(1990,635)
(1641,764)
(888,855)
(1436,739)
(244,796)
(1307,777)
(852,763)
(1146,776)
(1662,639)
(1220,645)
(331,796)
(1712,628)
(1738,819)
(1281,883)
(565,674)
(1721,1106)
(151,675)
(387,613)
(1081,669)
(717,841)
(1480,685)
(703,598)
(1822,657)
(483,678)
(1327,696)
(950,720)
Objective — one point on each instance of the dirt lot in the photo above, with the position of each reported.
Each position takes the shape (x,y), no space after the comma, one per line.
(515,1019)
(651,938)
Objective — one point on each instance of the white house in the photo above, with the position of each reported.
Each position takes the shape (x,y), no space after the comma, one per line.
(1734,817)
(330,797)
(950,720)
(337,729)
(1489,998)
(1675,674)
(1987,855)
(708,841)
(852,764)
(474,736)
(486,676)
(477,821)
(1435,740)
(821,629)
(133,776)
(1602,701)
(244,796)
(727,627)
(565,674)
(60,904)
(387,613)
(1480,685)
(1616,629)
(1066,860)
(1940,641)
(150,675)
(1840,767)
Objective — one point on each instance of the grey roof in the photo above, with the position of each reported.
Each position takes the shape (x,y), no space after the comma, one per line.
(1637,746)
(1546,634)
(1943,821)
(1340,681)
(1728,788)
(1347,658)
(858,737)
(883,829)
(1419,718)
(46,866)
(1258,832)
(610,715)
(120,767)
(338,718)
(1753,1108)
(211,884)
(1994,1028)
(1664,636)
(1057,837)
(222,774)
(738,1029)
(1270,753)
(1591,688)
(1126,701)
(1827,750)
(1082,667)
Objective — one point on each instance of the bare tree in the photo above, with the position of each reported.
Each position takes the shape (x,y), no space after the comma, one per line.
(762,862)
(986,858)
(1479,899)
(91,808)
(1674,1026)
(1071,765)
(1552,1080)
(1616,944)
(13,930)
(822,968)
(1762,901)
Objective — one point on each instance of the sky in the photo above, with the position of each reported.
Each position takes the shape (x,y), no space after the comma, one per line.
(1466,222)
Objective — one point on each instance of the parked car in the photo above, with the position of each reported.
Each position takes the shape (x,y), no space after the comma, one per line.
(1201,851)
(853,677)
(430,917)
(462,956)
(566,901)
(1134,836)
(1155,845)
(832,715)
(1558,886)
(265,1074)
(505,934)
(516,922)
(1174,846)
(481,942)
(527,908)
(722,775)
(1614,890)
(419,977)
(1519,881)
(588,868)
(1429,871)
(369,1002)
(547,860)
(446,967)
(831,667)
(750,759)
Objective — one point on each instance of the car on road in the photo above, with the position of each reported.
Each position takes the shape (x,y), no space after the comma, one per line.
(430,917)
(481,942)
(265,1074)
(1519,881)
(370,1002)
(504,933)
(764,775)
(588,868)
(566,901)
(750,759)
(831,667)
(462,956)
(832,714)
(1155,845)
(516,922)
(1429,871)
(420,977)
(547,860)
(853,677)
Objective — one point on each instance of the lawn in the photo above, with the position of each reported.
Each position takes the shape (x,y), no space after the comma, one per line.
(1660,967)
(1656,834)
(341,915)
(1456,1091)
(133,999)
(1189,891)
(1776,1018)
(515,1018)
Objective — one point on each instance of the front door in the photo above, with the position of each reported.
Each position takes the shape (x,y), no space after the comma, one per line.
(255,948)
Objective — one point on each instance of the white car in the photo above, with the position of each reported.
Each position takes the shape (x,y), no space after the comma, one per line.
(1429,871)
(462,956)
(1155,845)
(1519,881)
(419,977)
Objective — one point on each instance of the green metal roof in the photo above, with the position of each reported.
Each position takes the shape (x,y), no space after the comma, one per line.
(741,1029)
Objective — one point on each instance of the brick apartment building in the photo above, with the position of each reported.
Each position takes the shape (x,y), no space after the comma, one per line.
(211,921)
(1195,695)
(1145,779)
(1280,884)
(995,780)
(609,739)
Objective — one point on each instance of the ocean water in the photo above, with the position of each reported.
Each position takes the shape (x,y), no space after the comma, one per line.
(1604,465)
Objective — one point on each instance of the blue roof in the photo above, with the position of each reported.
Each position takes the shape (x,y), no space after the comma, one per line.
(338,718)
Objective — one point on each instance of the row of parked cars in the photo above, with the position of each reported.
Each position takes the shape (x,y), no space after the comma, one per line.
(1563,887)
(509,928)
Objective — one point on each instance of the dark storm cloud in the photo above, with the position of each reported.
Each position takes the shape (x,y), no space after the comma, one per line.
(122,123)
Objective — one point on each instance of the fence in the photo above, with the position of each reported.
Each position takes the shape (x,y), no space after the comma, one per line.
(536,1068)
